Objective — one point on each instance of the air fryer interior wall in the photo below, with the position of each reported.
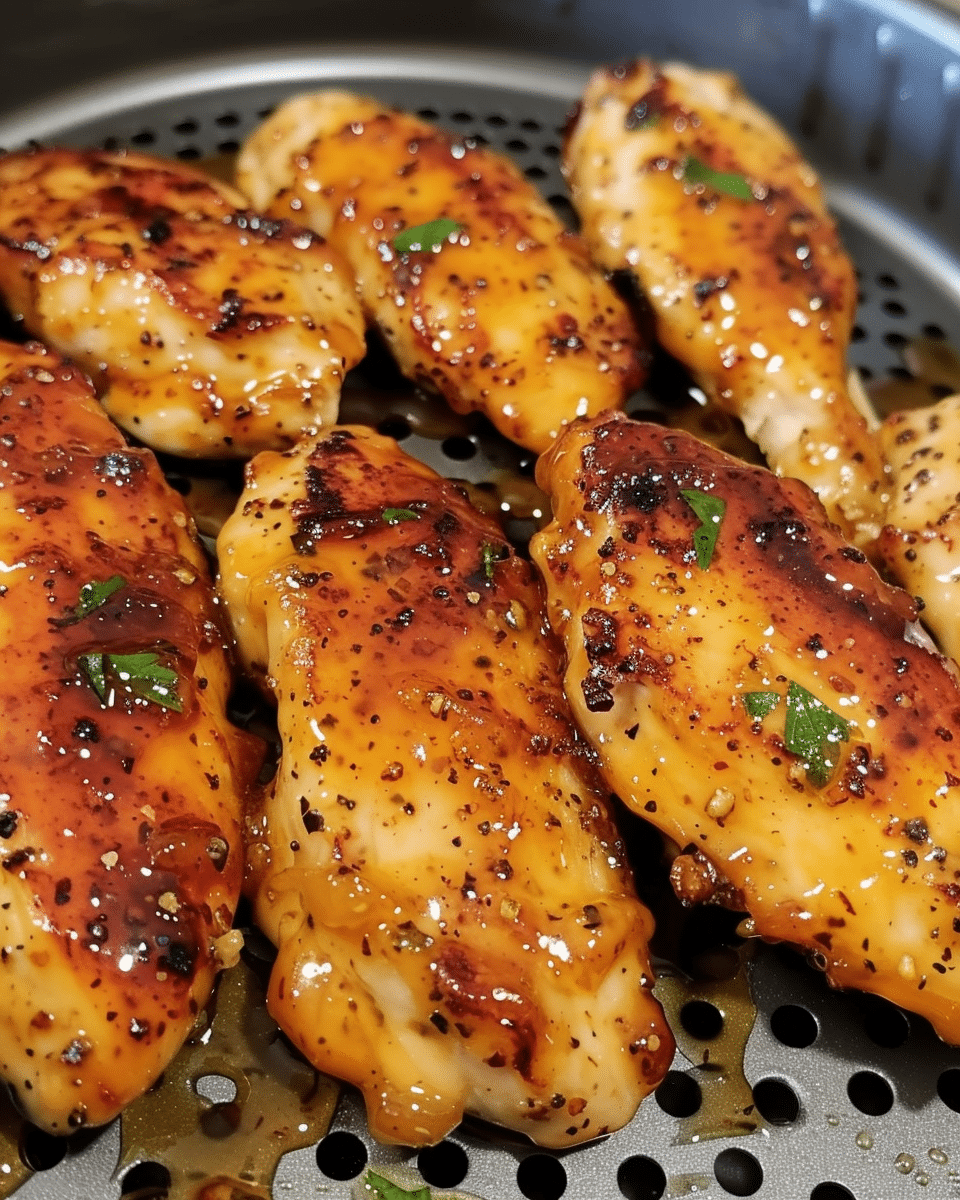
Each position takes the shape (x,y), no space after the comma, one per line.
(850,1098)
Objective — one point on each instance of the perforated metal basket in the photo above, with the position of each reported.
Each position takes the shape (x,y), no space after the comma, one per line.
(796,1092)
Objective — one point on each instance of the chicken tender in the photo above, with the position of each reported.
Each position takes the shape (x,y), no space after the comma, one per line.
(208,330)
(755,690)
(121,779)
(435,861)
(499,309)
(681,180)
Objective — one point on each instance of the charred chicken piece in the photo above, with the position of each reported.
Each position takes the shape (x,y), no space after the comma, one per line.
(208,330)
(500,310)
(683,181)
(754,689)
(120,776)
(435,860)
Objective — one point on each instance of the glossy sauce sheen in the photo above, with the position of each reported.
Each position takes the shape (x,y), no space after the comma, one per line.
(209,331)
(119,820)
(755,296)
(861,868)
(510,317)
(456,924)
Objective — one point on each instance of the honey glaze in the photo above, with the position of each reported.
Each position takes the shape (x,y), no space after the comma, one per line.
(229,1149)
(727,1108)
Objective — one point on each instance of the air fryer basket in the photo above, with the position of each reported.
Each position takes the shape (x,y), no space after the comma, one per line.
(804,1093)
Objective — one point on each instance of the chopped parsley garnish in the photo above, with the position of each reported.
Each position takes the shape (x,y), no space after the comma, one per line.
(430,236)
(93,595)
(490,556)
(710,509)
(393,516)
(142,674)
(383,1189)
(813,732)
(695,171)
(758,704)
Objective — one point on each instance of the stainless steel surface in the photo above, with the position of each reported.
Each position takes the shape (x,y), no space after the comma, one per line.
(877,1096)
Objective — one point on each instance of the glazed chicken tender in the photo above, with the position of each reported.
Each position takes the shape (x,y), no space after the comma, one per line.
(766,701)
(435,860)
(120,775)
(500,310)
(208,330)
(681,180)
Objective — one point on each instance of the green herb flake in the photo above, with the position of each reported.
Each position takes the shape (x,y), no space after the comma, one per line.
(394,516)
(383,1189)
(758,704)
(429,237)
(728,182)
(710,509)
(142,674)
(92,666)
(93,595)
(813,732)
(489,557)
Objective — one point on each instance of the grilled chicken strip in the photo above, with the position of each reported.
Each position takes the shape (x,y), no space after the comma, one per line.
(680,179)
(507,316)
(120,776)
(208,330)
(767,704)
(457,928)
(920,543)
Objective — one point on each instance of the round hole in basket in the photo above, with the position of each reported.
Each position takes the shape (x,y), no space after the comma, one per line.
(147,1181)
(444,1165)
(341,1155)
(41,1151)
(541,1177)
(776,1101)
(738,1172)
(641,1178)
(870,1093)
(679,1094)
(794,1026)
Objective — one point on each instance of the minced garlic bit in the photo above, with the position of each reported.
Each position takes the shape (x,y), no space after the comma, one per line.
(721,803)
(608,568)
(185,576)
(226,949)
(110,859)
(169,902)
(907,968)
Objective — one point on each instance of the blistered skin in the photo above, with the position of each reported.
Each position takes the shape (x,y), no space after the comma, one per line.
(208,330)
(456,925)
(509,318)
(920,542)
(119,818)
(836,827)
(755,296)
